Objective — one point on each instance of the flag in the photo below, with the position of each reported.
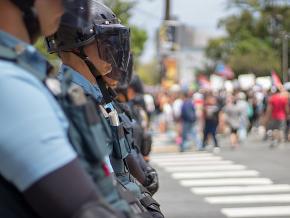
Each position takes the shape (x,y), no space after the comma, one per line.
(224,71)
(276,81)
(204,82)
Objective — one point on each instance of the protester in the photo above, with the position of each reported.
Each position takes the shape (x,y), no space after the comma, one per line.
(277,112)
(211,118)
(233,116)
(246,111)
(188,119)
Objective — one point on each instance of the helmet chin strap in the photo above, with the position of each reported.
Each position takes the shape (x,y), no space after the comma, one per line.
(32,25)
(29,18)
(108,94)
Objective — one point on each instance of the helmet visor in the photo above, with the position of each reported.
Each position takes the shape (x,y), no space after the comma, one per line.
(123,77)
(114,47)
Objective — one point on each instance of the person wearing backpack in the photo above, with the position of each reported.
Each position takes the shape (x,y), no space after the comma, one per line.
(188,119)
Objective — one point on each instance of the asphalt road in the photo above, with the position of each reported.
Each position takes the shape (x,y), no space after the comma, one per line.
(252,181)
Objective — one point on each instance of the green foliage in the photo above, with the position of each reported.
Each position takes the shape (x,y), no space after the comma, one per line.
(52,58)
(254,32)
(149,73)
(253,55)
(123,10)
(139,37)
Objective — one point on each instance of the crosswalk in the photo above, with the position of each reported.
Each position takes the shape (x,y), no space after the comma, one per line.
(240,192)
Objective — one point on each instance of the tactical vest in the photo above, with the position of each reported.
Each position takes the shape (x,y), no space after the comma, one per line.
(134,132)
(122,174)
(120,149)
(128,124)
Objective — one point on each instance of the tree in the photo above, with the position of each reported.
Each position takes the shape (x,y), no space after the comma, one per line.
(52,58)
(149,72)
(253,40)
(123,10)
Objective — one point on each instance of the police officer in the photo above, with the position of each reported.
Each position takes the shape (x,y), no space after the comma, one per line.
(132,108)
(40,174)
(134,94)
(98,54)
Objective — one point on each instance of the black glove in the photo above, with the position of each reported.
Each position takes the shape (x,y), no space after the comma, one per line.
(147,144)
(152,182)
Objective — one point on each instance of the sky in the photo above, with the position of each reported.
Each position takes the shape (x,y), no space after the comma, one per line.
(200,14)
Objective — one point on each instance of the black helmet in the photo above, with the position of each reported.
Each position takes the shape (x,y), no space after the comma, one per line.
(31,20)
(136,84)
(113,39)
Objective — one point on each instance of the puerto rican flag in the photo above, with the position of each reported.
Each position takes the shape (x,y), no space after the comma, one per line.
(224,71)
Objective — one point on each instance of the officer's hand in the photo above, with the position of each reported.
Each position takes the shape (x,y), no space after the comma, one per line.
(152,180)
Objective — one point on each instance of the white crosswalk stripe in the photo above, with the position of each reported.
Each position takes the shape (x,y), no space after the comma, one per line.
(227,181)
(222,182)
(213,174)
(178,155)
(246,199)
(241,189)
(188,159)
(255,212)
(194,163)
(204,168)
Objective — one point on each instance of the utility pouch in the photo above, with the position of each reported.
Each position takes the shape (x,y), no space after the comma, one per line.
(121,147)
(138,133)
(87,127)
(128,128)
(147,144)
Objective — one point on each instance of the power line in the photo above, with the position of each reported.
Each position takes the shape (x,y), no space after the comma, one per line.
(147,14)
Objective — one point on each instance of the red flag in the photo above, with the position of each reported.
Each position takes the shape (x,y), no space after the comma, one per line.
(276,81)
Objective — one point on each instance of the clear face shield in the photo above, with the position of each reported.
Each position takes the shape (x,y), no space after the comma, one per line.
(113,44)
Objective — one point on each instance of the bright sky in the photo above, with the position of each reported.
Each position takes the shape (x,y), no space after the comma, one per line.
(201,14)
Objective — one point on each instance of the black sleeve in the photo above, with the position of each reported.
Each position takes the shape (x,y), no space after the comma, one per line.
(135,169)
(63,192)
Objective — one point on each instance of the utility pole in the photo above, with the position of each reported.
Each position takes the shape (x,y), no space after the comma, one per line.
(167,15)
(285,57)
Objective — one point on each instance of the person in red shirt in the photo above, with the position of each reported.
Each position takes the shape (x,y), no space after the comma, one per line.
(277,112)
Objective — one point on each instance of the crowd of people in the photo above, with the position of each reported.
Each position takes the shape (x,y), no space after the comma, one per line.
(198,116)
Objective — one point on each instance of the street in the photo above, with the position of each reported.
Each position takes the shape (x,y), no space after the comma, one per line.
(251,181)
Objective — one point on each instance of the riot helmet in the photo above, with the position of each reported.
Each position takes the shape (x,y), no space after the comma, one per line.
(111,37)
(31,20)
(137,85)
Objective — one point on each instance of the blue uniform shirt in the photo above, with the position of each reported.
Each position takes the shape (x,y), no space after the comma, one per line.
(77,78)
(33,138)
(89,89)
